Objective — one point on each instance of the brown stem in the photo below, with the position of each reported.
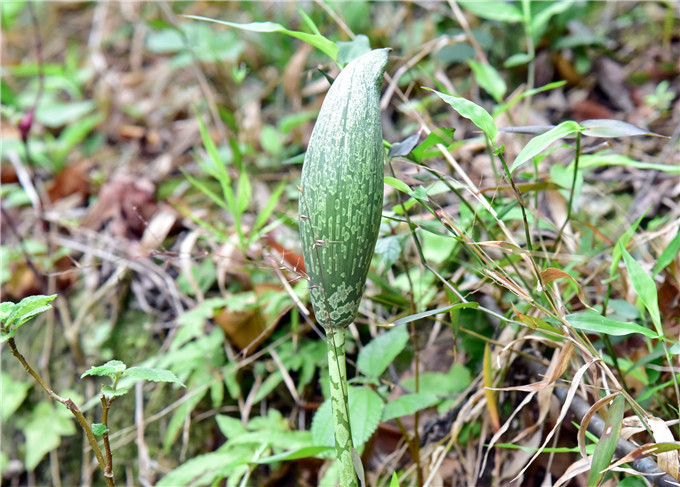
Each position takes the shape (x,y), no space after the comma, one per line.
(70,405)
(108,472)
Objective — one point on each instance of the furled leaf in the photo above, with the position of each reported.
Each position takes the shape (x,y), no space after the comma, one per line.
(110,368)
(99,429)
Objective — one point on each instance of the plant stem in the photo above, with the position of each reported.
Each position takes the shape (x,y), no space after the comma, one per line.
(70,405)
(337,371)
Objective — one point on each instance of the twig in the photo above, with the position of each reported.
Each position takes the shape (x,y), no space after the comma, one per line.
(70,405)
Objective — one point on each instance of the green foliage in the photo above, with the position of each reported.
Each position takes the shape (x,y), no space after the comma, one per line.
(380,352)
(44,429)
(13,315)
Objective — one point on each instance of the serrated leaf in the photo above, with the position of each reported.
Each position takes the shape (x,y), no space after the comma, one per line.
(408,404)
(43,431)
(365,411)
(540,143)
(230,427)
(13,394)
(110,368)
(404,147)
(604,451)
(110,392)
(26,309)
(472,112)
(595,322)
(644,287)
(320,42)
(379,353)
(153,375)
(607,128)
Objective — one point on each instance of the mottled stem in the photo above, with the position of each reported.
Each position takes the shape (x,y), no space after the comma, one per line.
(338,380)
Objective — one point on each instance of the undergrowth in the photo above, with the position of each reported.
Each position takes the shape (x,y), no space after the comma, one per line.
(521,314)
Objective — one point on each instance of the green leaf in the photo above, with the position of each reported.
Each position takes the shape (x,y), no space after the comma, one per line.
(394,482)
(493,10)
(243,194)
(379,353)
(153,375)
(472,112)
(488,79)
(110,392)
(13,394)
(397,184)
(644,287)
(607,128)
(350,50)
(519,59)
(408,404)
(112,368)
(668,255)
(99,429)
(365,411)
(305,452)
(608,159)
(431,312)
(24,310)
(604,451)
(320,42)
(230,427)
(540,143)
(595,322)
(200,467)
(437,136)
(43,431)
(438,383)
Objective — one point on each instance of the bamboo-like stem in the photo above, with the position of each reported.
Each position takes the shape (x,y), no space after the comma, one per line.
(337,371)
